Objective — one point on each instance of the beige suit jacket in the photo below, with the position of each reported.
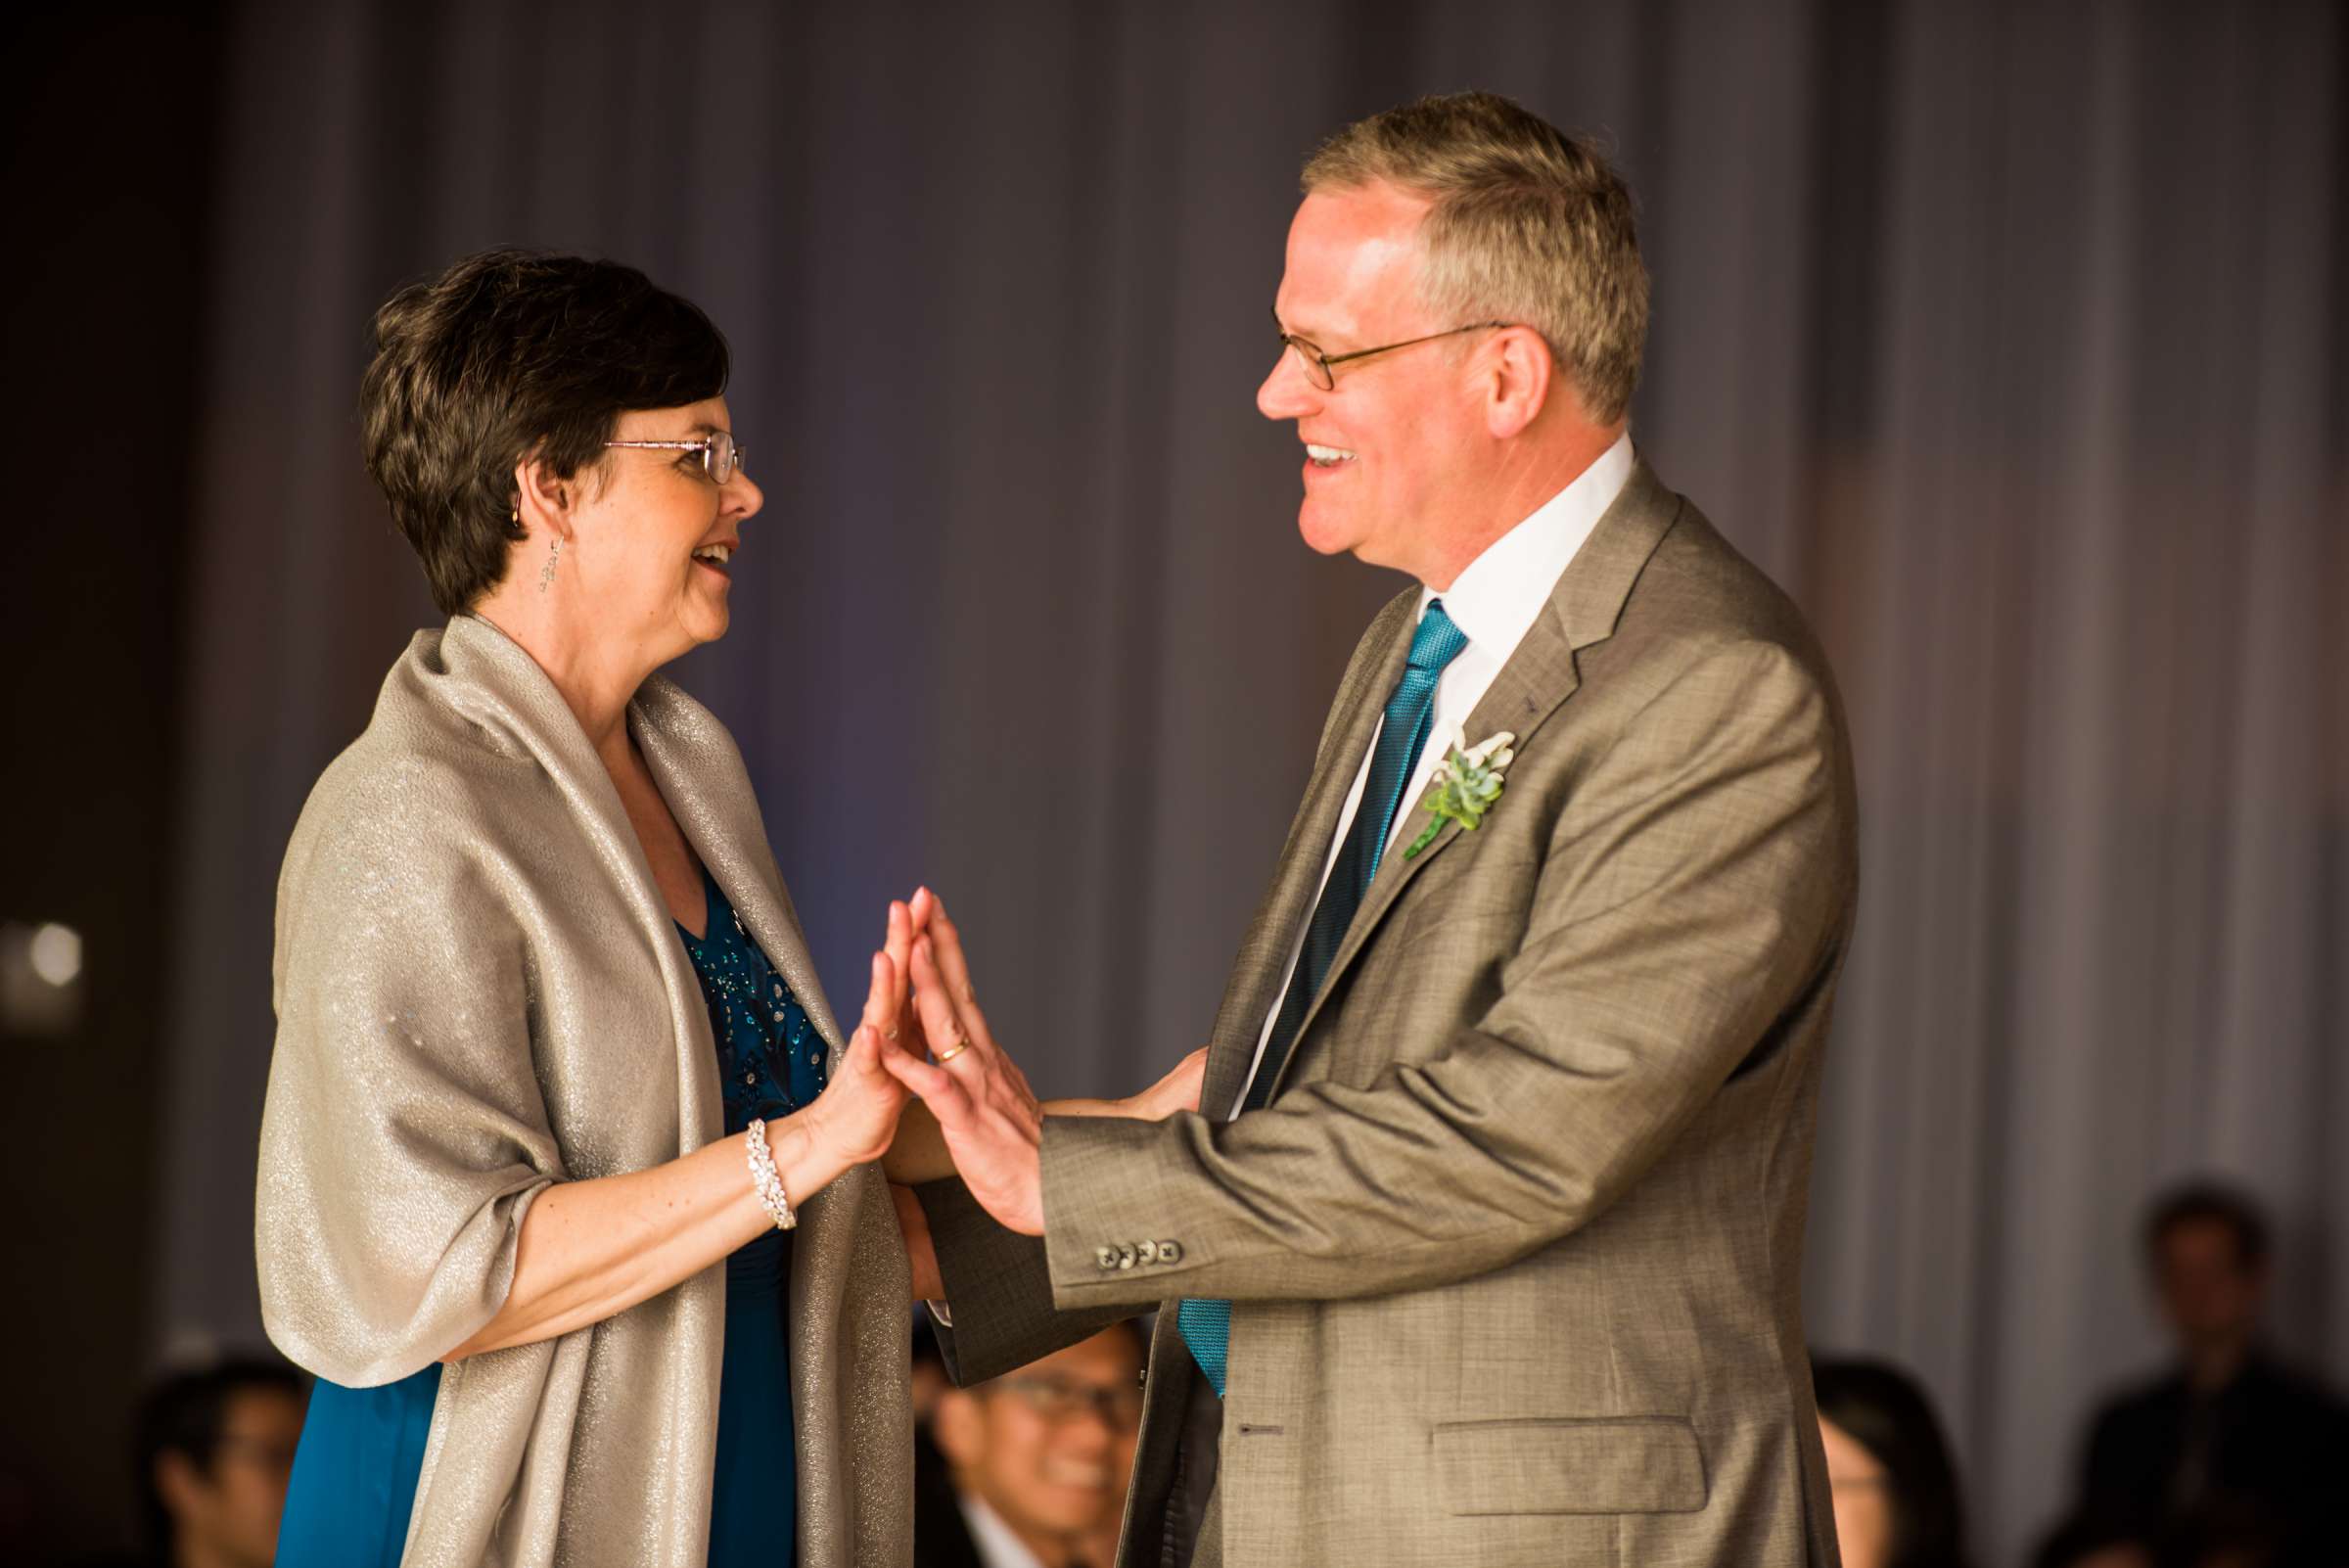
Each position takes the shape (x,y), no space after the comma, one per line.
(480,992)
(1514,1251)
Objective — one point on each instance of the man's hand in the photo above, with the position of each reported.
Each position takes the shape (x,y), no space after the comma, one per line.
(985,1111)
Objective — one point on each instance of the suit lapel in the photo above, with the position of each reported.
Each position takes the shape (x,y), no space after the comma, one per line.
(1536,682)
(1297,878)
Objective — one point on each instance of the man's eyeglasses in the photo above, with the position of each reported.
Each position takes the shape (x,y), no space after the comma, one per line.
(722,459)
(1322,369)
(1059,1400)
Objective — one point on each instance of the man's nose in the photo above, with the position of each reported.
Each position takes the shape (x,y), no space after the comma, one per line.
(1092,1426)
(1287,392)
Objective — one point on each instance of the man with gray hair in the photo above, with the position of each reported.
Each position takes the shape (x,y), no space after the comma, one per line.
(1484,1246)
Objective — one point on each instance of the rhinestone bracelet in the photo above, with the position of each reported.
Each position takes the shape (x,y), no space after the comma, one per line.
(766,1182)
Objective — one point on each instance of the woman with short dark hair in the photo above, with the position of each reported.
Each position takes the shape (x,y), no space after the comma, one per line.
(554,1081)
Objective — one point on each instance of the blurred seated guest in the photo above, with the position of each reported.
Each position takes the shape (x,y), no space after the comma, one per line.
(1040,1460)
(1888,1469)
(2233,1535)
(216,1447)
(2088,1542)
(2227,1432)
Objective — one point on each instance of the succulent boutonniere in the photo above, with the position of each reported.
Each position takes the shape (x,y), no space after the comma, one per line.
(1463,787)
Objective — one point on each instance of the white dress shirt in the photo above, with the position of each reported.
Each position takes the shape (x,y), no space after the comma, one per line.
(1493,602)
(998,1546)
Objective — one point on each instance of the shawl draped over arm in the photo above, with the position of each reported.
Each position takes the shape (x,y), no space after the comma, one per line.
(405,1134)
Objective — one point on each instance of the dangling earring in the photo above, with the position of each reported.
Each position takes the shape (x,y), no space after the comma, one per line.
(546,572)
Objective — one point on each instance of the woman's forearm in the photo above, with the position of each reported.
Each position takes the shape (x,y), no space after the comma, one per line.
(589,1250)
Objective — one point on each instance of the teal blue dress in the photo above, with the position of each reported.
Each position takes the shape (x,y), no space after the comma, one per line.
(354,1474)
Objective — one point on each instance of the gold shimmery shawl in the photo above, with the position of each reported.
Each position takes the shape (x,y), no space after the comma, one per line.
(480,992)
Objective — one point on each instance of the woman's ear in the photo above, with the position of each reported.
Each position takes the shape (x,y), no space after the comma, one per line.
(542,500)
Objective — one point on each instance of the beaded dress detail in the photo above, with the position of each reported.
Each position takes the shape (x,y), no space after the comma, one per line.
(771,1061)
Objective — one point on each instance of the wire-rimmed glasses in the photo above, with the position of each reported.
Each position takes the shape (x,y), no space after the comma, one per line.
(1322,369)
(1061,1400)
(722,458)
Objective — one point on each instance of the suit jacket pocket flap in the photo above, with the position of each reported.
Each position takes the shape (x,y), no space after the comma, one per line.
(1620,1464)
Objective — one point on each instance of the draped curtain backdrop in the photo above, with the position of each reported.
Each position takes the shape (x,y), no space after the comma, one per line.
(2009,337)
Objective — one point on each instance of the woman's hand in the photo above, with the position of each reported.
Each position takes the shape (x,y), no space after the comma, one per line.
(985,1111)
(1179,1090)
(856,1117)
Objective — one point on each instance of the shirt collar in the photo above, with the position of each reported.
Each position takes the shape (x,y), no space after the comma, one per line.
(998,1546)
(1494,601)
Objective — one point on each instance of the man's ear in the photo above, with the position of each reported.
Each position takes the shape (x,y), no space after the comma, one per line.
(954,1427)
(1523,379)
(178,1483)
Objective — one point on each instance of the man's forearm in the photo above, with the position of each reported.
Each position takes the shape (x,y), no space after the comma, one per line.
(998,1289)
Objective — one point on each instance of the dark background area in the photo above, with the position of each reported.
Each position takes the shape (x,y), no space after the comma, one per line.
(109,174)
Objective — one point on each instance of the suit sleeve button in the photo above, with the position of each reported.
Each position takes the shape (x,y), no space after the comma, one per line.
(1125,1255)
(1147,1251)
(1106,1257)
(1169,1252)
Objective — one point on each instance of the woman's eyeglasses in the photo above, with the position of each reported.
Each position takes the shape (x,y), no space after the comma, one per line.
(722,459)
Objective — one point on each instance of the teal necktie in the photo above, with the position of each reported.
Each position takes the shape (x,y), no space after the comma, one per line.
(1206,1324)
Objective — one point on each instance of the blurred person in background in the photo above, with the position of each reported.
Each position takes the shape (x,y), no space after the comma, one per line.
(2096,1544)
(214,1449)
(1895,1490)
(2220,1538)
(2228,1441)
(1040,1460)
(2226,1535)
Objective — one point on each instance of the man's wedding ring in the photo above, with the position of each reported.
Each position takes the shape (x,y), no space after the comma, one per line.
(953,1051)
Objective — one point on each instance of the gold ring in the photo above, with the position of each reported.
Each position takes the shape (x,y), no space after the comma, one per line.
(953,1051)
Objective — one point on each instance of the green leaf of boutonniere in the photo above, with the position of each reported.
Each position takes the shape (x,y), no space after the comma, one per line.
(1463,787)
